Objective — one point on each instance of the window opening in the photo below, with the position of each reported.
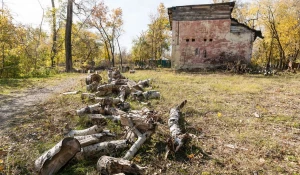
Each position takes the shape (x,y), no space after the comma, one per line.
(187,40)
(193,40)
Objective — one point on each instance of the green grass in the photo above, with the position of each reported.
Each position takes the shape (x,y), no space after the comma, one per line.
(219,112)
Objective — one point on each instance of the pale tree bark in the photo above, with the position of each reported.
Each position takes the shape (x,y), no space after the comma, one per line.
(94,138)
(92,130)
(52,160)
(103,148)
(109,165)
(178,138)
(68,36)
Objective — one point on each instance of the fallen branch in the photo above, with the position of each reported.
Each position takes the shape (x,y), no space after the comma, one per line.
(99,118)
(102,148)
(71,93)
(178,138)
(141,139)
(94,138)
(109,165)
(142,122)
(151,94)
(55,158)
(92,87)
(92,130)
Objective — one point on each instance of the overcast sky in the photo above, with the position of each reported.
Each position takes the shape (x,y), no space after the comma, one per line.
(135,13)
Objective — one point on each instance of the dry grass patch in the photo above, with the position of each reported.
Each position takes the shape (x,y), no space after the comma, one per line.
(230,139)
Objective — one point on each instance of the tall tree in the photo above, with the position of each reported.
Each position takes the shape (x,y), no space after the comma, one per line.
(54,34)
(68,36)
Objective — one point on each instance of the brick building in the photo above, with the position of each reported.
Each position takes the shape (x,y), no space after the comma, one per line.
(206,36)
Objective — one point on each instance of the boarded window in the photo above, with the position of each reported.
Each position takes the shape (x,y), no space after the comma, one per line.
(196,51)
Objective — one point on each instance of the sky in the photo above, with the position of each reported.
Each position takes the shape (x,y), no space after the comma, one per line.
(135,13)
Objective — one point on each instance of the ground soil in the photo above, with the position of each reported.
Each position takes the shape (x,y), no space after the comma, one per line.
(17,103)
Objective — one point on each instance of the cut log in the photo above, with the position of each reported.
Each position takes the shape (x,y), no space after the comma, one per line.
(107,89)
(92,130)
(88,96)
(109,75)
(104,101)
(92,109)
(178,138)
(99,118)
(141,139)
(120,82)
(109,165)
(144,83)
(93,77)
(124,92)
(94,138)
(143,122)
(52,160)
(92,87)
(103,148)
(151,94)
(71,93)
(117,75)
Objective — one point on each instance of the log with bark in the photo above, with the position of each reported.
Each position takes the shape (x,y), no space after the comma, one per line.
(124,92)
(92,87)
(100,119)
(142,137)
(144,83)
(52,160)
(93,77)
(151,94)
(92,130)
(103,148)
(88,96)
(94,138)
(92,109)
(177,137)
(143,121)
(71,93)
(107,89)
(109,165)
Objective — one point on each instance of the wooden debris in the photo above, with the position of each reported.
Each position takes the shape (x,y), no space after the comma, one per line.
(92,87)
(94,138)
(92,130)
(93,78)
(88,96)
(141,139)
(52,160)
(151,94)
(71,93)
(142,121)
(132,71)
(107,89)
(144,83)
(100,118)
(109,165)
(103,148)
(178,138)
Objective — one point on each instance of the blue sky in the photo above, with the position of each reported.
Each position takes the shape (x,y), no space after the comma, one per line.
(135,13)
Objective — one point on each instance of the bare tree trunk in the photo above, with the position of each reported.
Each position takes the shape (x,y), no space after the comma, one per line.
(54,34)
(68,36)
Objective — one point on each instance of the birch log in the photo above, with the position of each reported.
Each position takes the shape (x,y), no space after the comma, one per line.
(92,87)
(52,160)
(92,109)
(177,137)
(98,119)
(94,138)
(107,89)
(142,122)
(88,96)
(93,77)
(138,143)
(92,130)
(103,148)
(151,94)
(144,83)
(109,165)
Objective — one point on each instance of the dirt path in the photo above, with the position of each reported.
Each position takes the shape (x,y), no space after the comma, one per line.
(18,103)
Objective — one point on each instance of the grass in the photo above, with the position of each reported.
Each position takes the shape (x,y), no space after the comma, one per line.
(229,138)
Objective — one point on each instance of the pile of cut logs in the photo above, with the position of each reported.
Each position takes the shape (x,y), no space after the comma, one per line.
(94,142)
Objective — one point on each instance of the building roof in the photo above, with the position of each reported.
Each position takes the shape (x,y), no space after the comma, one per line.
(207,12)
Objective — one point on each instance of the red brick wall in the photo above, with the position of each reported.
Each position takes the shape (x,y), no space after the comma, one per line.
(208,43)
